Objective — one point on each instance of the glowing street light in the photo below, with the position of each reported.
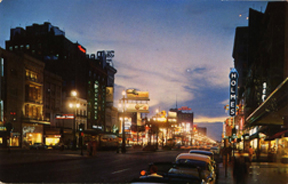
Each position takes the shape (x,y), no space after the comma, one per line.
(75,106)
(123,109)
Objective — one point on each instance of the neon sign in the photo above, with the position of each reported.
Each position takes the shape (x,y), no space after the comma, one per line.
(233,91)
(65,116)
(184,108)
(81,49)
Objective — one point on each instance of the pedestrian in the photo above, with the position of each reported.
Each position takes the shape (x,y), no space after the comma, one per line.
(89,149)
(239,169)
(229,153)
(251,153)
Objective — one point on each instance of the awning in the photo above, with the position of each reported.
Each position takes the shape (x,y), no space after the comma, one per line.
(273,109)
(254,136)
(277,135)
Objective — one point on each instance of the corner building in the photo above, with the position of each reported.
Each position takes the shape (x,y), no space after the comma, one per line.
(22,94)
(87,74)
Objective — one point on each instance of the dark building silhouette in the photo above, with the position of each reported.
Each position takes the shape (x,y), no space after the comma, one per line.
(260,56)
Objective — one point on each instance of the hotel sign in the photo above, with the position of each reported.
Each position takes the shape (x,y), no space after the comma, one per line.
(233,91)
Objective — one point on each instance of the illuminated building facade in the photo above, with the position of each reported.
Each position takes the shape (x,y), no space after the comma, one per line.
(22,93)
(87,74)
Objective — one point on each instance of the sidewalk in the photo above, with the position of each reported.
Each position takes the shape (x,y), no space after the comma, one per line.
(222,179)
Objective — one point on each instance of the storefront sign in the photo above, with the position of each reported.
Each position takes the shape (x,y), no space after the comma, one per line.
(233,92)
(65,116)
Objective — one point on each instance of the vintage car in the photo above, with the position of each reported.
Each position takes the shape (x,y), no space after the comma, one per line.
(163,176)
(196,165)
(211,155)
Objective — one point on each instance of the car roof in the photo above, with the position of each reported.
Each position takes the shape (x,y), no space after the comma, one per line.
(201,152)
(193,156)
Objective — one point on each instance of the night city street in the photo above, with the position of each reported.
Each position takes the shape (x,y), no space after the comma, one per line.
(144,91)
(52,166)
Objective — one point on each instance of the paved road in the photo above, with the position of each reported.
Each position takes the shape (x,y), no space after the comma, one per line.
(69,166)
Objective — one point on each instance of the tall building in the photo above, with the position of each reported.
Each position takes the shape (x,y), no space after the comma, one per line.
(260,54)
(88,75)
(22,95)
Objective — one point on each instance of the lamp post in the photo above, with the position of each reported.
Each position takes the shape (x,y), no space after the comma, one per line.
(74,106)
(122,108)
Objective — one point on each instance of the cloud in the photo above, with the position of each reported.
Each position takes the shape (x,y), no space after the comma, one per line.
(203,119)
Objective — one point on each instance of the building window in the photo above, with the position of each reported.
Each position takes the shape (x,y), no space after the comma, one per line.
(2,67)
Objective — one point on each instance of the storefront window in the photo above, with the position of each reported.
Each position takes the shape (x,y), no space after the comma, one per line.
(32,134)
(52,140)
(14,141)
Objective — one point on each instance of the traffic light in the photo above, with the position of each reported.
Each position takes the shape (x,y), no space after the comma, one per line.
(13,116)
(81,129)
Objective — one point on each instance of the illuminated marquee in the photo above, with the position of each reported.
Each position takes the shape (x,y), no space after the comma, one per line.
(233,91)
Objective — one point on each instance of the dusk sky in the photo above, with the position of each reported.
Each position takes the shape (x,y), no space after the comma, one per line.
(175,49)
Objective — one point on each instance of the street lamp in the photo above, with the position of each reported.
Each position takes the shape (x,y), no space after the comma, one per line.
(75,106)
(122,106)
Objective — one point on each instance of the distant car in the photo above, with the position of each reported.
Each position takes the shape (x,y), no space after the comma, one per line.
(215,149)
(38,146)
(195,165)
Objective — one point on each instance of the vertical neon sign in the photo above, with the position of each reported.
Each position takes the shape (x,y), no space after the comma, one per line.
(233,91)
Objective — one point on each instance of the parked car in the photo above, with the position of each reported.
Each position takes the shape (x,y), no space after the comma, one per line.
(38,146)
(204,152)
(165,176)
(195,165)
(215,149)
(211,155)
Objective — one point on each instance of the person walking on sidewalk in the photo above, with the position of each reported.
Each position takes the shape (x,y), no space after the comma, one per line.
(251,153)
(239,169)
